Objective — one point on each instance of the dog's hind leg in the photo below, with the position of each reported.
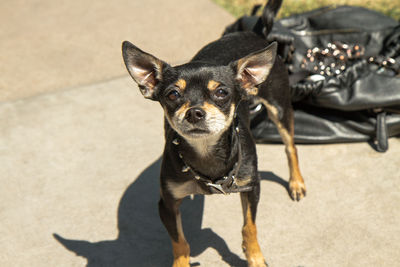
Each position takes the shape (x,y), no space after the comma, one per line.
(285,125)
(250,245)
(171,218)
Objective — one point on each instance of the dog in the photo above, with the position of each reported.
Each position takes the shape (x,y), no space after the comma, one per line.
(209,148)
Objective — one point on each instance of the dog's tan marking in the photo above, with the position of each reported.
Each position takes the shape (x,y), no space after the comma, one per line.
(181,249)
(181,84)
(211,109)
(217,121)
(250,245)
(181,252)
(243,180)
(181,190)
(212,85)
(297,187)
(252,90)
(181,112)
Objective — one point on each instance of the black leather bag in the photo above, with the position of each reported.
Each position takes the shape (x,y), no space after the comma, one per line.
(344,73)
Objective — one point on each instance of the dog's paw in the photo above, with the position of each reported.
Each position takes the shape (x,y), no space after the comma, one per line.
(261,263)
(181,262)
(256,261)
(297,189)
(251,249)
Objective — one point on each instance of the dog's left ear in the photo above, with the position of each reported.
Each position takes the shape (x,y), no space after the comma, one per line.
(145,69)
(254,69)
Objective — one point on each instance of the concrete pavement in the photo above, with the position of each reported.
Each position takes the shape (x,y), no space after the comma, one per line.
(51,45)
(79,164)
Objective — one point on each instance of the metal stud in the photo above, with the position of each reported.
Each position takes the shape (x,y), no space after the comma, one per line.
(180,155)
(336,52)
(185,168)
(197,177)
(175,141)
(237,129)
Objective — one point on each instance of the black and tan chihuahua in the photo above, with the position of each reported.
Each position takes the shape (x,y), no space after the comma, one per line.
(209,148)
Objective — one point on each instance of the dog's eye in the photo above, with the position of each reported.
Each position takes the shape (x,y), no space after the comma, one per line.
(221,93)
(173,95)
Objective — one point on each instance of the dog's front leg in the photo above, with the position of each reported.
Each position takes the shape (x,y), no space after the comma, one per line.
(250,245)
(285,126)
(171,218)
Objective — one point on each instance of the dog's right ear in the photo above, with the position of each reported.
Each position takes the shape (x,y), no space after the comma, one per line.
(145,69)
(254,69)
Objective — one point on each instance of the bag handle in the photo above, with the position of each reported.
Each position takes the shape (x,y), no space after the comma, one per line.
(381,132)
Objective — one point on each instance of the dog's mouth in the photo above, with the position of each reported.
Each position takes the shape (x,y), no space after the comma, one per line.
(195,132)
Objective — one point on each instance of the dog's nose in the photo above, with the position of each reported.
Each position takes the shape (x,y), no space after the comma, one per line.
(194,115)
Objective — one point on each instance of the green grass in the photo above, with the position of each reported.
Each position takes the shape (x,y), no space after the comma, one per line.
(242,7)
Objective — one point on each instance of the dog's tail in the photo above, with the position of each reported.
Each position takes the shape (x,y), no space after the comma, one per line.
(266,22)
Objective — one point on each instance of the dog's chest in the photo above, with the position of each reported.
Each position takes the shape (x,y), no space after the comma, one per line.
(181,190)
(204,147)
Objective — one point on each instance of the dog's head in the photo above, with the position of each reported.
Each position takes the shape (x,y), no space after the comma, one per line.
(199,99)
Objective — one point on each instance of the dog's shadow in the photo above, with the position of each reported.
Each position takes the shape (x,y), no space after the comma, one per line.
(142,239)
